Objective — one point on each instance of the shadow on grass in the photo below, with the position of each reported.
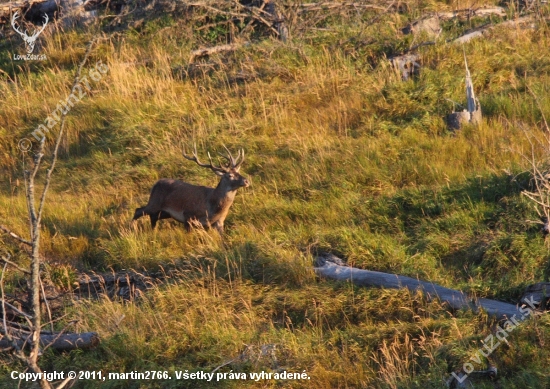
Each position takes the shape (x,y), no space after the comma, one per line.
(477,229)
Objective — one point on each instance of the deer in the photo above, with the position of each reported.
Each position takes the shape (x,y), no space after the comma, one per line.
(29,40)
(189,203)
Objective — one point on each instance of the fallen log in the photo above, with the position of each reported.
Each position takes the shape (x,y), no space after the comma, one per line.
(71,11)
(127,285)
(407,65)
(270,19)
(212,50)
(498,11)
(470,12)
(330,266)
(61,342)
(272,9)
(485,29)
(29,8)
(429,25)
(323,6)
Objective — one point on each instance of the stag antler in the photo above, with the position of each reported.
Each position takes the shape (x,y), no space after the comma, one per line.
(234,163)
(216,169)
(46,19)
(13,19)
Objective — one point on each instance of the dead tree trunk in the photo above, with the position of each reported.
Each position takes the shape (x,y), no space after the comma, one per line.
(484,30)
(456,299)
(278,19)
(195,54)
(33,338)
(62,342)
(30,9)
(71,11)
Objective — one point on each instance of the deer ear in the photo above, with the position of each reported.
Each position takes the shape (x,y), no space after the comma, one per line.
(218,173)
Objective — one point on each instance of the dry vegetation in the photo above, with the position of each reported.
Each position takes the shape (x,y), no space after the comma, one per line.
(343,157)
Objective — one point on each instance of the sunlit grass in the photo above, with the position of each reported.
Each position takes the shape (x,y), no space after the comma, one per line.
(342,156)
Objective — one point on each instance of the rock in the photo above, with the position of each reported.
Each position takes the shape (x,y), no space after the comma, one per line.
(429,25)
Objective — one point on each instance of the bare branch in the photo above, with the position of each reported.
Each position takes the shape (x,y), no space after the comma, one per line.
(15,236)
(255,15)
(8,262)
(212,50)
(5,331)
(35,217)
(47,304)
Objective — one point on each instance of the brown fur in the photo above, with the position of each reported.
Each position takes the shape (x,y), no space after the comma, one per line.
(187,203)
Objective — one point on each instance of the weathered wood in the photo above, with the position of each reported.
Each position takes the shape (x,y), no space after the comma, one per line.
(431,24)
(71,11)
(484,30)
(272,8)
(454,298)
(498,11)
(407,65)
(61,342)
(38,8)
(212,50)
(469,12)
(30,9)
(327,5)
(456,120)
(472,115)
(428,25)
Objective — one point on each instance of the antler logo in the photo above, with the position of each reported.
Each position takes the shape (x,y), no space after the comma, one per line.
(29,40)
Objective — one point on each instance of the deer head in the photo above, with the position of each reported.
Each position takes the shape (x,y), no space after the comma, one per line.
(229,173)
(29,40)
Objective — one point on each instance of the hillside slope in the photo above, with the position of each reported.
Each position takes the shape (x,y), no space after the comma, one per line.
(343,157)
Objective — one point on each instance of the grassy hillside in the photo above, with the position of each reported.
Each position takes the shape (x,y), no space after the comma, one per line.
(343,157)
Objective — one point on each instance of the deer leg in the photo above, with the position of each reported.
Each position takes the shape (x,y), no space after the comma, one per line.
(186,222)
(219,227)
(156,216)
(164,215)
